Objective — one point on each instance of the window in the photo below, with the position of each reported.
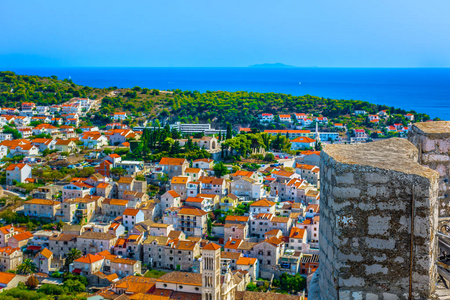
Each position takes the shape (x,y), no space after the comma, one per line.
(180,287)
(268,262)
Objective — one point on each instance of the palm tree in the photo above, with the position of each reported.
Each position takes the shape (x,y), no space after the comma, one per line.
(27,267)
(73,254)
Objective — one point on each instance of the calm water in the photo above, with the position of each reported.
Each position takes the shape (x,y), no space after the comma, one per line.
(423,90)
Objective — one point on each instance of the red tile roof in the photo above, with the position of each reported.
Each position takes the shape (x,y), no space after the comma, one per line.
(211,246)
(89,259)
(131,212)
(172,161)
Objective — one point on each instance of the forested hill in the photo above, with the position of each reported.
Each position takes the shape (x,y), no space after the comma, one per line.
(239,108)
(15,89)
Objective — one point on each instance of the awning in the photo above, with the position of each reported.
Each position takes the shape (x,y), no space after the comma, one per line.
(34,248)
(78,271)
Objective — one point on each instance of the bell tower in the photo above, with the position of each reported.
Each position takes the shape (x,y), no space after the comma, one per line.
(211,272)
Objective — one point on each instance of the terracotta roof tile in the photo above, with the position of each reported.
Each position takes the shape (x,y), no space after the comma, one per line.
(172,161)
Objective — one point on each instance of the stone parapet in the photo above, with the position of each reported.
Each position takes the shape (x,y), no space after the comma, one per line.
(371,197)
(432,139)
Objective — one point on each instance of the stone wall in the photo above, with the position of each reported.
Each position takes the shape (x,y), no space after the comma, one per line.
(433,141)
(367,195)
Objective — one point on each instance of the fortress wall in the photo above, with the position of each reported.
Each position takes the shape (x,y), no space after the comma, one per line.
(367,195)
(432,139)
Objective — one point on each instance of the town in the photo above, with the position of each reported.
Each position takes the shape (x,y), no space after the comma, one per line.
(107,210)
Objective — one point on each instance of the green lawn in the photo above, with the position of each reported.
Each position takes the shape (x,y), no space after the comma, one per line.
(154,274)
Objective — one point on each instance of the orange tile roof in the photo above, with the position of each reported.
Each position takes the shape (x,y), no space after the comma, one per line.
(117,202)
(22,236)
(274,241)
(280,219)
(63,142)
(246,261)
(208,160)
(179,180)
(6,278)
(303,139)
(46,253)
(273,232)
(211,246)
(125,261)
(263,203)
(131,212)
(102,185)
(236,219)
(233,244)
(135,284)
(305,166)
(263,216)
(89,258)
(286,131)
(297,233)
(8,250)
(182,278)
(283,173)
(172,161)
(11,167)
(314,207)
(173,193)
(186,245)
(114,155)
(243,173)
(195,200)
(42,202)
(192,211)
(127,180)
(41,141)
(193,170)
(309,152)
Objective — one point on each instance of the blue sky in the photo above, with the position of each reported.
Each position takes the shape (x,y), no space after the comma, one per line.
(208,33)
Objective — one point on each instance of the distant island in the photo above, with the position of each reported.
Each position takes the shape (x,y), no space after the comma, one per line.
(268,65)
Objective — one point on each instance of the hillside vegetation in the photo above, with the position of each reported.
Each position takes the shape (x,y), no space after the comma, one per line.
(15,89)
(238,108)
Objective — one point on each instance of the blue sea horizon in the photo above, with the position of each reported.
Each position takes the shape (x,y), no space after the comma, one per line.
(424,90)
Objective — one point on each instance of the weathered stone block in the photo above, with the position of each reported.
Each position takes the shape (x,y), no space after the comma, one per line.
(379,225)
(389,296)
(375,269)
(344,295)
(369,215)
(357,295)
(370,296)
(375,243)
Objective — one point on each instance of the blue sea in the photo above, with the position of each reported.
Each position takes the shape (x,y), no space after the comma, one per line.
(423,90)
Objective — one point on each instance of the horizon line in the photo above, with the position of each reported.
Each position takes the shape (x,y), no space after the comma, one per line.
(241,67)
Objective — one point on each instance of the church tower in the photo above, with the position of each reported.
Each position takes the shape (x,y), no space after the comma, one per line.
(211,272)
(317,133)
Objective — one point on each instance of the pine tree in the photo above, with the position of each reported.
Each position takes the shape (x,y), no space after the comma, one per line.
(229,133)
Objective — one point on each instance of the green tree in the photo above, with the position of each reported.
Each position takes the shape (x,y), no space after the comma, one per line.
(118,171)
(27,267)
(73,254)
(15,133)
(74,286)
(269,157)
(229,132)
(220,169)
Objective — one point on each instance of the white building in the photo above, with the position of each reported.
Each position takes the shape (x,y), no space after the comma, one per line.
(17,172)
(131,217)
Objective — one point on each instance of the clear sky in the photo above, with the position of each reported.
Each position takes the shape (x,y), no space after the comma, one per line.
(211,33)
